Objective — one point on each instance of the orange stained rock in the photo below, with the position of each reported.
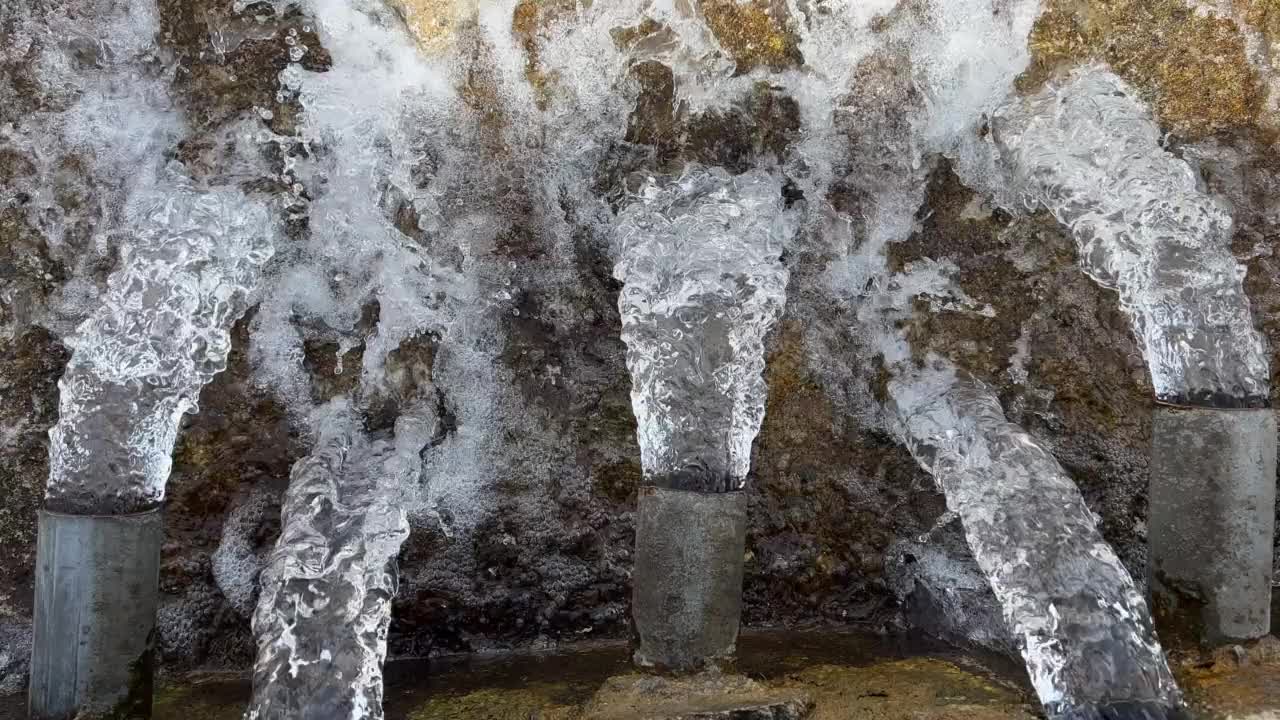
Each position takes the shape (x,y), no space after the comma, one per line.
(435,22)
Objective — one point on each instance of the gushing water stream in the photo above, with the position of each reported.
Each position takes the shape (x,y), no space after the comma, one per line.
(371,126)
(189,255)
(1079,621)
(186,251)
(322,618)
(703,282)
(1081,624)
(1090,152)
(162,332)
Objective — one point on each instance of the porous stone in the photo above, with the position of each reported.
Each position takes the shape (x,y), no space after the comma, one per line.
(433,22)
(1195,65)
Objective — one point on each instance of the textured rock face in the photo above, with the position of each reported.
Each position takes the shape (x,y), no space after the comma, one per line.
(1206,65)
(838,511)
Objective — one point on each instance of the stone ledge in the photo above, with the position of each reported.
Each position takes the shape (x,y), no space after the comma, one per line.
(709,696)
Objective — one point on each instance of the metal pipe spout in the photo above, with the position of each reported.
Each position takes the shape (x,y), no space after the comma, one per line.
(97,582)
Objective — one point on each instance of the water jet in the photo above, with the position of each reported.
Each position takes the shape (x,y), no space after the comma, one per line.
(161,333)
(1088,150)
(700,260)
(322,618)
(1079,620)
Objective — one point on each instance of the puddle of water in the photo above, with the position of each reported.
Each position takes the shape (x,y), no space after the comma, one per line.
(567,676)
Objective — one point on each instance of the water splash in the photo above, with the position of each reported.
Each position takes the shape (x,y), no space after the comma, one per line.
(185,256)
(700,260)
(322,618)
(383,169)
(365,168)
(93,123)
(926,90)
(1089,151)
(161,333)
(1080,622)
(886,83)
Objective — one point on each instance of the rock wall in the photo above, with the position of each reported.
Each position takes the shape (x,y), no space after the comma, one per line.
(845,528)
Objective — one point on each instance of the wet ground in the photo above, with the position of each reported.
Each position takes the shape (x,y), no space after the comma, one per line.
(845,675)
(1235,683)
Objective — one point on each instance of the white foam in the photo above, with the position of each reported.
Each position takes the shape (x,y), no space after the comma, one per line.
(370,122)
(703,282)
(1080,622)
(162,331)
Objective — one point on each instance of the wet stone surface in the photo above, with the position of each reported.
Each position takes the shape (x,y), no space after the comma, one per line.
(831,676)
(844,676)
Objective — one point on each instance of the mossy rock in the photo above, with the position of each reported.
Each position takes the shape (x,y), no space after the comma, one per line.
(755,33)
(494,704)
(1192,65)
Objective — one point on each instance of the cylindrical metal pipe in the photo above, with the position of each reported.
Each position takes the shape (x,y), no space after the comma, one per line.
(687,596)
(1211,523)
(97,581)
